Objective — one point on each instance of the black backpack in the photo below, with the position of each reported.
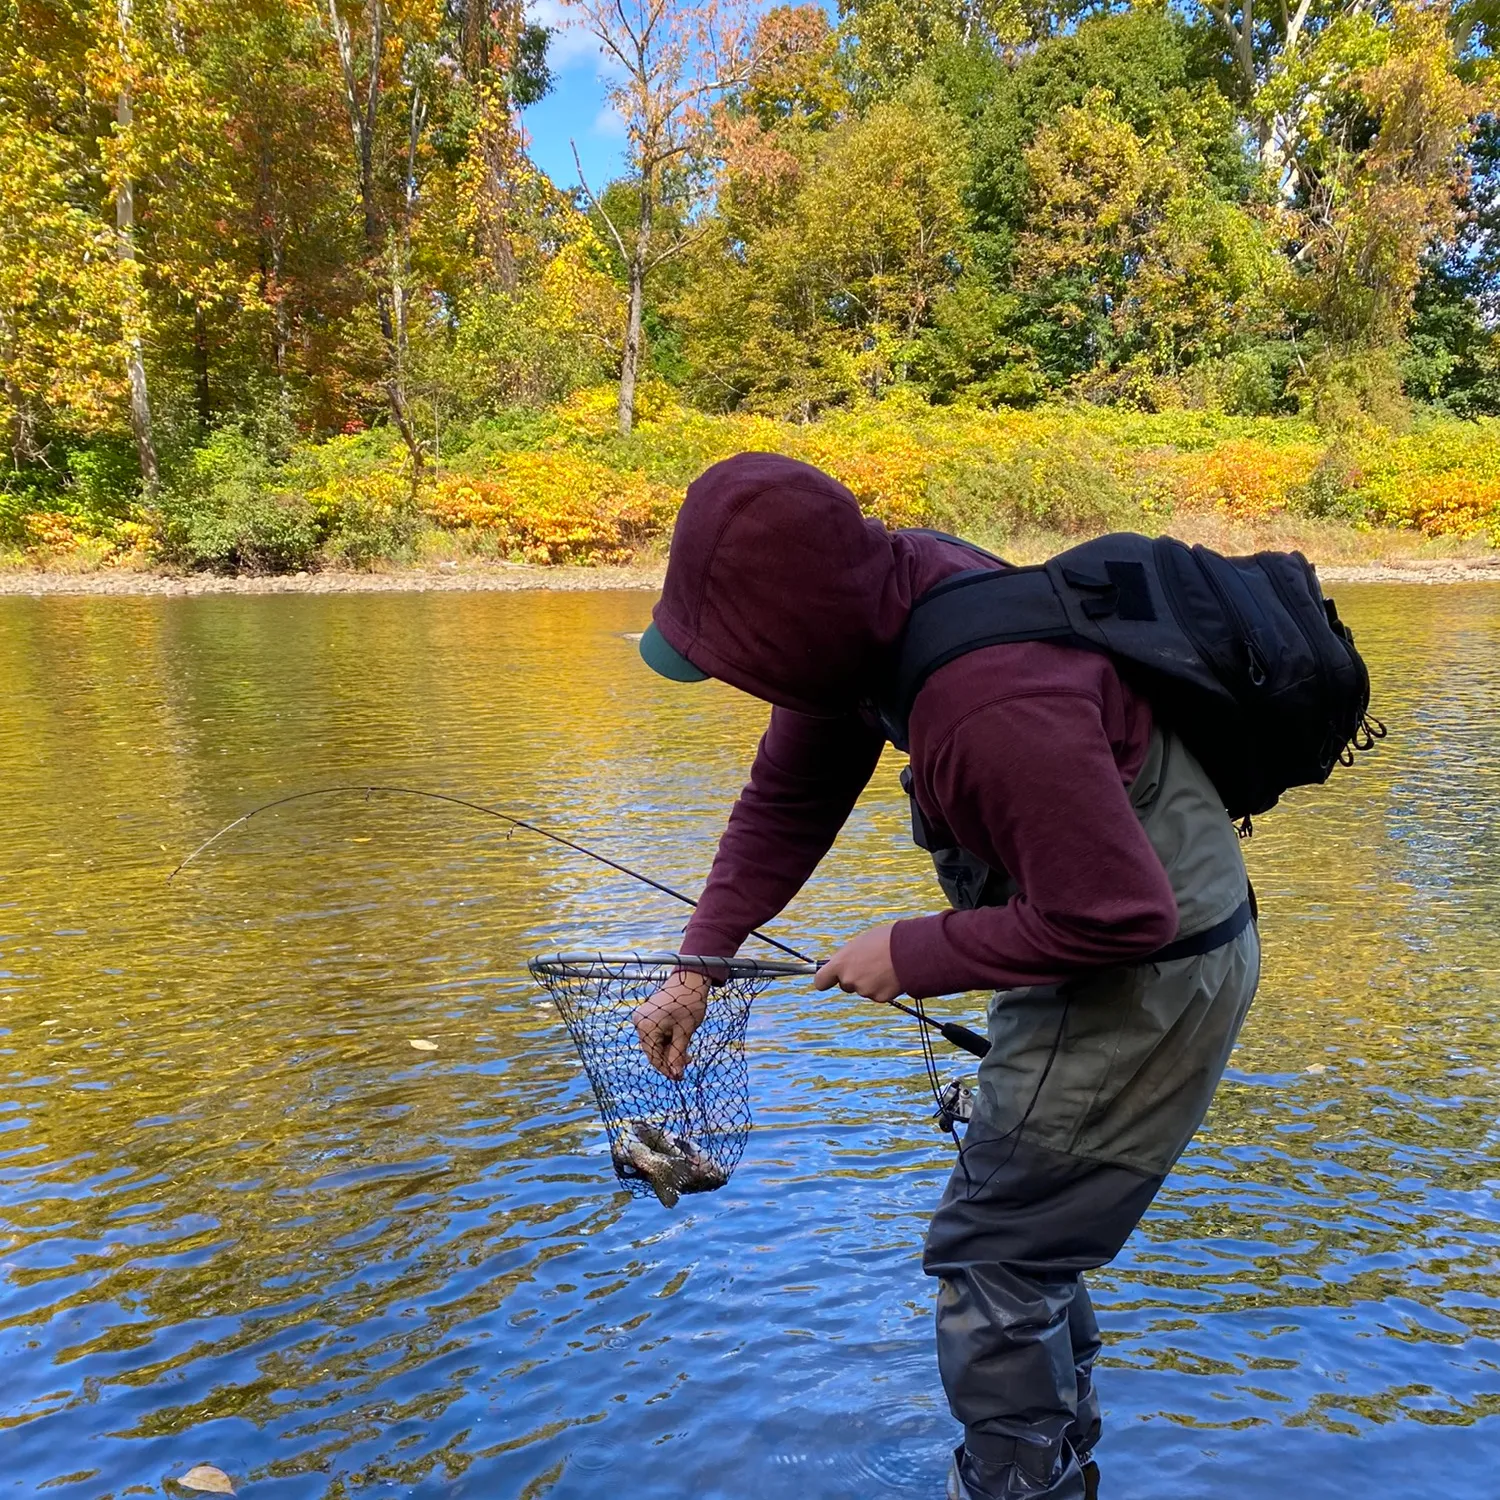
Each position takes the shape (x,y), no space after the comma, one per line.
(1242,656)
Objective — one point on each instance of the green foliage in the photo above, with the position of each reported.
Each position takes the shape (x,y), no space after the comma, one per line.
(1452,356)
(973,351)
(1351,393)
(1141,62)
(227,511)
(1068,486)
(1131,266)
(95,484)
(822,294)
(514,349)
(1332,491)
(1249,381)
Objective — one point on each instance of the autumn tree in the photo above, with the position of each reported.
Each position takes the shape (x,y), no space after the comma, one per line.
(1132,261)
(887,42)
(502,61)
(820,291)
(386,73)
(1379,166)
(62,355)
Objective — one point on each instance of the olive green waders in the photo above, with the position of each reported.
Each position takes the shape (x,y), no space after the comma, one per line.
(1090,1092)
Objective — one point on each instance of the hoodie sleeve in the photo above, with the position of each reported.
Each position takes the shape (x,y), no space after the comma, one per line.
(807,775)
(1035,779)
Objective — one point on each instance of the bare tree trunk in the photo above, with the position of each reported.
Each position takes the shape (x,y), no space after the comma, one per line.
(388,296)
(497,152)
(1274,134)
(630,356)
(675,59)
(200,368)
(22,436)
(133,313)
(271,289)
(397,337)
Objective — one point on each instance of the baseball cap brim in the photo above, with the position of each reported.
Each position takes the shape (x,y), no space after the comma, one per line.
(662,659)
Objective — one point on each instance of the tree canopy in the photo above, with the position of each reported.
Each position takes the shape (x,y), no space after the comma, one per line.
(305,217)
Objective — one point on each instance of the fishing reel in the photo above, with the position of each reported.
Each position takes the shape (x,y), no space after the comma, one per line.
(955,1106)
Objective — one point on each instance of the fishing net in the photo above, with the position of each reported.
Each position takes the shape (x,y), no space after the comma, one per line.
(667,1136)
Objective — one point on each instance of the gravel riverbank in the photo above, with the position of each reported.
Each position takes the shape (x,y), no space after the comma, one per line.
(507,577)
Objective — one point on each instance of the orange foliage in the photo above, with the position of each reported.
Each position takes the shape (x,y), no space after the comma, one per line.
(1244,479)
(52,531)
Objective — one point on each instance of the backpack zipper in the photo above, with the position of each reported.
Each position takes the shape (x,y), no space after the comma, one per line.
(1258,671)
(1162,550)
(1319,665)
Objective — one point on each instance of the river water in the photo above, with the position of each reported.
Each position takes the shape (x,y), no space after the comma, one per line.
(243,1222)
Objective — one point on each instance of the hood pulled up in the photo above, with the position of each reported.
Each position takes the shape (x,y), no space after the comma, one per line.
(780,586)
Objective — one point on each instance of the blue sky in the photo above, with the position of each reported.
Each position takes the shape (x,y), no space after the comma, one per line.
(574,109)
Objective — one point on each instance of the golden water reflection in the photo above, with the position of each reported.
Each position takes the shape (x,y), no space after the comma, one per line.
(243,1222)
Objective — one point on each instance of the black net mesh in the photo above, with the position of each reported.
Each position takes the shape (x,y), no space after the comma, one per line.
(667,1136)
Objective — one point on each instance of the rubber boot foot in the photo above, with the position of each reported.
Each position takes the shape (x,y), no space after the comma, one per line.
(1011,1482)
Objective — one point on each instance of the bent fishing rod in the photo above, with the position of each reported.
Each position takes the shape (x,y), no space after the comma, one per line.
(958,1036)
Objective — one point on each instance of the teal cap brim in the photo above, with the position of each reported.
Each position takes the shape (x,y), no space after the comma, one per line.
(661,658)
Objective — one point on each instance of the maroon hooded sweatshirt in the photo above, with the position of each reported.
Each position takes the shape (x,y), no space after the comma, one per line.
(779,586)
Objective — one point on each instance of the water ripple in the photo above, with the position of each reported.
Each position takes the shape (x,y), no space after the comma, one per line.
(242,1222)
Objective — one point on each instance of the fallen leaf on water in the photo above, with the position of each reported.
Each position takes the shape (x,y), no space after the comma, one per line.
(206,1477)
(1317,1067)
(423,1046)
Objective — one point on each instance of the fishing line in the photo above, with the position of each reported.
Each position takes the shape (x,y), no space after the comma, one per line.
(1014,1133)
(479,807)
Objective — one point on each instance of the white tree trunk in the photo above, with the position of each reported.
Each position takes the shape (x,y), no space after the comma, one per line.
(133,313)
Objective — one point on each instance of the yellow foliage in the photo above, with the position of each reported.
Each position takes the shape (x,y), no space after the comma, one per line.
(1458,505)
(373,493)
(55,539)
(580,493)
(1441,480)
(555,507)
(887,476)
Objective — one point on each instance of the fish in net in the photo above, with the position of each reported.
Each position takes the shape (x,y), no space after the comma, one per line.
(667,1137)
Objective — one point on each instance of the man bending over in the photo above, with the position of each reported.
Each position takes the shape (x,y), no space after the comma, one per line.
(1087,859)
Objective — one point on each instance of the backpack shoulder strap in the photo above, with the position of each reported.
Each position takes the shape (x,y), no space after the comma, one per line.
(967,612)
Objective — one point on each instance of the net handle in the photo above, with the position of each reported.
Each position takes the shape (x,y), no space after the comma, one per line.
(582,963)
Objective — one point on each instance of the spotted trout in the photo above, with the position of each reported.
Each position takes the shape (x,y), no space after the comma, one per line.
(671,1163)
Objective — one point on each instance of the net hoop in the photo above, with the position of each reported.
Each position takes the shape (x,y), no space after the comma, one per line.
(667,1136)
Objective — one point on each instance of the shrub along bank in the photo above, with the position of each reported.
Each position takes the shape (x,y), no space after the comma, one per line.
(563,485)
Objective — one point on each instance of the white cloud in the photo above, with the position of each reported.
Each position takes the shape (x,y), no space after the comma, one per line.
(607,123)
(569,46)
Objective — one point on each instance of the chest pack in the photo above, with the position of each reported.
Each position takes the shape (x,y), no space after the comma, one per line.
(1243,657)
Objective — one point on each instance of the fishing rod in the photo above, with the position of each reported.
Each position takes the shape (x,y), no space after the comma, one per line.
(513,822)
(958,1036)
